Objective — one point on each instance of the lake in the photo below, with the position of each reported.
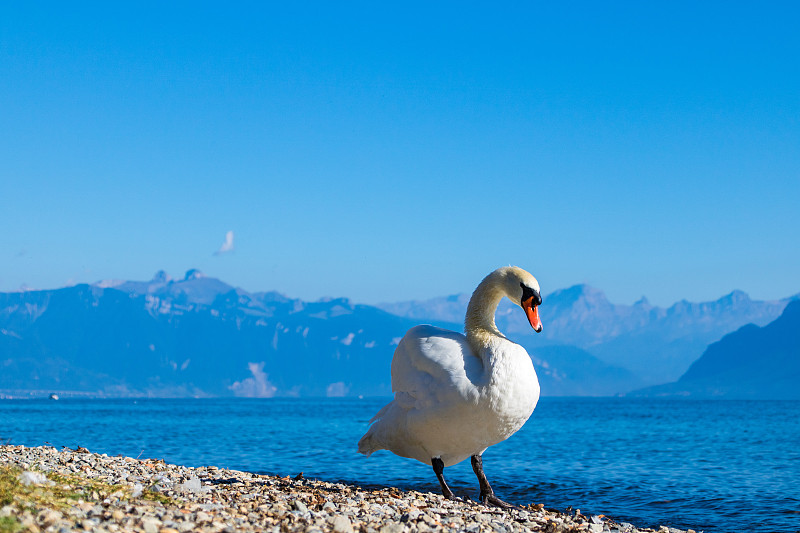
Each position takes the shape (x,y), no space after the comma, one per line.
(718,466)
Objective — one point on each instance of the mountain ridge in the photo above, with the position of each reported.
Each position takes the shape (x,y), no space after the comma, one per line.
(199,336)
(656,343)
(750,363)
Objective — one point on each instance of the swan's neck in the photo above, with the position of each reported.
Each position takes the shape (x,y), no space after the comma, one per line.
(479,325)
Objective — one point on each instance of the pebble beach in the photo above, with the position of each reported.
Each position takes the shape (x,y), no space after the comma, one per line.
(50,490)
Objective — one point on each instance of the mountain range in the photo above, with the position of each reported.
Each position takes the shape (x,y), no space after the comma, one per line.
(195,336)
(656,344)
(198,336)
(750,363)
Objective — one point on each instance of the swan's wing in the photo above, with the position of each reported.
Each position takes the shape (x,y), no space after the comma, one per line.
(434,367)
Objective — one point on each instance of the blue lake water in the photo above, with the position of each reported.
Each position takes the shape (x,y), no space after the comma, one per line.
(718,466)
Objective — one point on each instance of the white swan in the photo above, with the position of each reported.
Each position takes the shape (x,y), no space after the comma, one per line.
(457,395)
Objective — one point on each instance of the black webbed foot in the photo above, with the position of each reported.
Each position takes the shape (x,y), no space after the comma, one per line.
(494,501)
(487,494)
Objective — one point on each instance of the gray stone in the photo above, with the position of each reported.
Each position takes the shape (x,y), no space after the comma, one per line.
(329,506)
(48,517)
(341,524)
(210,506)
(191,485)
(393,527)
(151,524)
(34,478)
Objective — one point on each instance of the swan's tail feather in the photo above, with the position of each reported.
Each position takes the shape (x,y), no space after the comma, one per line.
(371,442)
(380,413)
(366,445)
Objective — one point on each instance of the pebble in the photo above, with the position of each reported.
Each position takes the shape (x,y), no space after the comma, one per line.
(33,478)
(341,524)
(192,485)
(151,496)
(150,524)
(300,507)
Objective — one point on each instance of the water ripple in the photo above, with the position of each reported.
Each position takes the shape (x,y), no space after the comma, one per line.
(718,466)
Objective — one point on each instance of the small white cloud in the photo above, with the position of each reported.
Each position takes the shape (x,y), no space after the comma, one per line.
(255,387)
(337,390)
(227,246)
(347,341)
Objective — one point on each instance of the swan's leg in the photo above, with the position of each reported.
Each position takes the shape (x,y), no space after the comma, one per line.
(487,494)
(438,469)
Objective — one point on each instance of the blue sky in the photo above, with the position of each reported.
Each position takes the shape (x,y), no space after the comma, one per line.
(388,152)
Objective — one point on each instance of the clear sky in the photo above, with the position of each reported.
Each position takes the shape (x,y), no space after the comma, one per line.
(393,151)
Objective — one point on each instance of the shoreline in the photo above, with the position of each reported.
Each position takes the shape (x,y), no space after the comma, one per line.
(76,490)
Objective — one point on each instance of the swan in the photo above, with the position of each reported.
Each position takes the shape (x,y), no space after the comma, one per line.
(455,395)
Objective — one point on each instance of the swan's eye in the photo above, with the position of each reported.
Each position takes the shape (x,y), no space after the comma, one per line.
(528,292)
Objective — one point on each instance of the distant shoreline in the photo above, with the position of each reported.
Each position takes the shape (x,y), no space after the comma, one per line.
(72,395)
(79,489)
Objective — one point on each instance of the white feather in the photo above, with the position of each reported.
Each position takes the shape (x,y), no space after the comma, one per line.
(456,395)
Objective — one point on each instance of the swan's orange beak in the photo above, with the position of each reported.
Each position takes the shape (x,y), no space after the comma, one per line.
(533,314)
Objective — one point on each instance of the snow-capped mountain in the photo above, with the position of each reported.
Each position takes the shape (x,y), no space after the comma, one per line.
(750,363)
(654,343)
(198,336)
(195,336)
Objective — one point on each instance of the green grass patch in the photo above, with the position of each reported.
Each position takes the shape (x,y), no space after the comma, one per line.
(8,484)
(9,524)
(62,494)
(158,497)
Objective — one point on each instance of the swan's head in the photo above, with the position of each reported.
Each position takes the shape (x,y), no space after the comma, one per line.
(523,289)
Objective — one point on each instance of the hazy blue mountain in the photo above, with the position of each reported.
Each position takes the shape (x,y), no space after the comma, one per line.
(751,363)
(198,336)
(656,344)
(449,308)
(192,337)
(570,371)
